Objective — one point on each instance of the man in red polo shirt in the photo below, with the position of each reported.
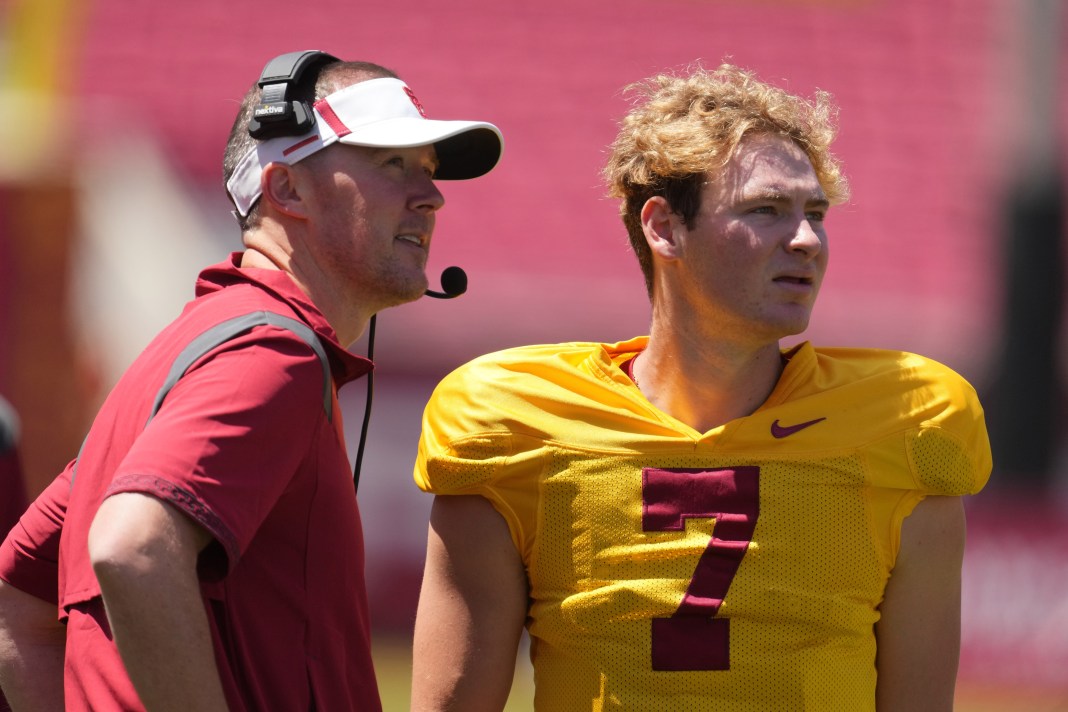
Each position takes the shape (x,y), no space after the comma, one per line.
(206,541)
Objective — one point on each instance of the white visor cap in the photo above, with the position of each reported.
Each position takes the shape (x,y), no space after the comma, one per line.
(381,113)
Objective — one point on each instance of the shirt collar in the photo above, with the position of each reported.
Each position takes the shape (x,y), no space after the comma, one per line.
(346,366)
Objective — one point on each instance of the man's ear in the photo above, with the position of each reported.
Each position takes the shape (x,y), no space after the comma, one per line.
(660,224)
(280,188)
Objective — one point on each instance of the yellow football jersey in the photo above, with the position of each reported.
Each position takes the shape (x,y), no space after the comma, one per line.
(737,569)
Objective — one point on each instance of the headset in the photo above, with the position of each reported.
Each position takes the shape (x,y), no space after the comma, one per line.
(284,110)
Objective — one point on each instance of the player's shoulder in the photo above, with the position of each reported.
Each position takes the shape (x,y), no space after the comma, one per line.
(534,354)
(494,389)
(874,360)
(899,399)
(529,361)
(885,369)
(899,389)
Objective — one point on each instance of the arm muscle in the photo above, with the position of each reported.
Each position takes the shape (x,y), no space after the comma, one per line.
(918,634)
(144,554)
(472,608)
(32,642)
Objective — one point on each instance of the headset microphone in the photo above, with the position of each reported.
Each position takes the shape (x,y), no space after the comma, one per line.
(453,284)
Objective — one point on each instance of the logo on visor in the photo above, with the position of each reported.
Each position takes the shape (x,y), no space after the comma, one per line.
(411,95)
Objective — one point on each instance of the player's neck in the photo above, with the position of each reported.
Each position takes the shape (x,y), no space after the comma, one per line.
(705,383)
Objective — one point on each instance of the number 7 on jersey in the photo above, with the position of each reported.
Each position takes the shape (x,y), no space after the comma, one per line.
(693,638)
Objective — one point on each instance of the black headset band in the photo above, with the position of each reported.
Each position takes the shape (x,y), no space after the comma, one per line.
(281,110)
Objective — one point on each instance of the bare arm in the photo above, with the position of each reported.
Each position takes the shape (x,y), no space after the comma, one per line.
(32,642)
(144,554)
(472,608)
(918,635)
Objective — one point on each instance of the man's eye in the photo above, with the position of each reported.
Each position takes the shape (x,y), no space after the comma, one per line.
(816,216)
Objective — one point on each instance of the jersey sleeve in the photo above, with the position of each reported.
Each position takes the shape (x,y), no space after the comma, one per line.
(228,438)
(948,451)
(934,441)
(470,445)
(29,556)
(464,444)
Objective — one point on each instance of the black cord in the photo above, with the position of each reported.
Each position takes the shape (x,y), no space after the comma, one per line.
(367,405)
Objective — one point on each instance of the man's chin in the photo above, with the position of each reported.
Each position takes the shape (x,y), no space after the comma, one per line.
(409,292)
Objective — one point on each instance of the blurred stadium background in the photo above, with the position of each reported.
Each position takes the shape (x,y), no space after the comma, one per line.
(954,122)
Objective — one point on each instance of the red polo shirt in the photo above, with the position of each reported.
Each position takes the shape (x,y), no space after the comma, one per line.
(243,445)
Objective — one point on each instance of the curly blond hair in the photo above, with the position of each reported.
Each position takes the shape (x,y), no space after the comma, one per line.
(683,129)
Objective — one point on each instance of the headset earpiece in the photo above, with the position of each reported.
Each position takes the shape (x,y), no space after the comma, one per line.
(282,111)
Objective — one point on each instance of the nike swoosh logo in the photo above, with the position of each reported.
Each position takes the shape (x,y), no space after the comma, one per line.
(784,431)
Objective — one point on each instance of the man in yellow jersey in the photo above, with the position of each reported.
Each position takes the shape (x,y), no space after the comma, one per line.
(700,519)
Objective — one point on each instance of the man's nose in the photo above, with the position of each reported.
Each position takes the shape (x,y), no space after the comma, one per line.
(426,196)
(805,239)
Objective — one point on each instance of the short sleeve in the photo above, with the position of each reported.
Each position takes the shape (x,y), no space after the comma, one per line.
(949,453)
(29,556)
(464,444)
(230,436)
(468,448)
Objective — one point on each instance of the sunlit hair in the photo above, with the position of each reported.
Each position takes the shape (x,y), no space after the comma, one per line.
(684,129)
(332,78)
